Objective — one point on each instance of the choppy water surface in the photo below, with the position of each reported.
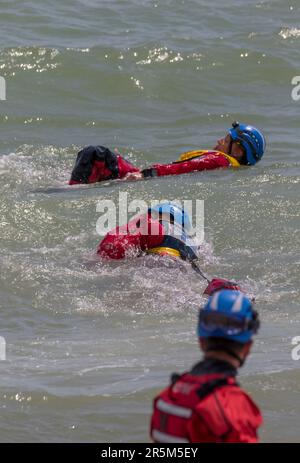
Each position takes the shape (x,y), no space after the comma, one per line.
(89,344)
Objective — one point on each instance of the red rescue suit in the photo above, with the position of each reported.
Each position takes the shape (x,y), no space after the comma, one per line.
(191,162)
(143,234)
(205,405)
(134,237)
(97,163)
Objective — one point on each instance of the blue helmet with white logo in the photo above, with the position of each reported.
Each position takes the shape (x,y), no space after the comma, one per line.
(228,314)
(251,139)
(174,213)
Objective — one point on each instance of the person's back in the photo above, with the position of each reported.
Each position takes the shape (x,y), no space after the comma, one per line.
(207,404)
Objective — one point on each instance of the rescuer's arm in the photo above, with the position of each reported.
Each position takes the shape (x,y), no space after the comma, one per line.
(208,162)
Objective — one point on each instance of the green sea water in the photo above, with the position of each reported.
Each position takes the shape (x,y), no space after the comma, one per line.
(88,346)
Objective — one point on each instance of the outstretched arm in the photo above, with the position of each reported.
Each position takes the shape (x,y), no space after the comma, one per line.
(208,162)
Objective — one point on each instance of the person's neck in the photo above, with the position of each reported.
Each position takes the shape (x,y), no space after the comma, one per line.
(223,356)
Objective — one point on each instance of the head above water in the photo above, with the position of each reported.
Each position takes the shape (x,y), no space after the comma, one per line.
(244,142)
(227,324)
(172,213)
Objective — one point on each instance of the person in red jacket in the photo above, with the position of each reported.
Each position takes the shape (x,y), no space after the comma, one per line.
(163,230)
(207,404)
(243,145)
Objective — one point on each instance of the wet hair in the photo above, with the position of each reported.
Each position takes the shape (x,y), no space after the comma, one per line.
(223,344)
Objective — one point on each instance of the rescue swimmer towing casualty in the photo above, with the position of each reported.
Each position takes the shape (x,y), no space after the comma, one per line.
(243,145)
(163,230)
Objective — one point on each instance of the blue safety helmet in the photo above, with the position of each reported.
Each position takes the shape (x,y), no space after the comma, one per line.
(251,139)
(176,213)
(228,314)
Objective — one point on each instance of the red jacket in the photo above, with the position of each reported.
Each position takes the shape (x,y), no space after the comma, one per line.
(208,161)
(205,405)
(138,235)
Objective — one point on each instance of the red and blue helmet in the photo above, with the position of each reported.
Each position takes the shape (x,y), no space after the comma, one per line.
(251,139)
(228,314)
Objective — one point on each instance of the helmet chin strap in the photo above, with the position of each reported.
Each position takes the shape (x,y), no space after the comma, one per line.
(230,151)
(230,147)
